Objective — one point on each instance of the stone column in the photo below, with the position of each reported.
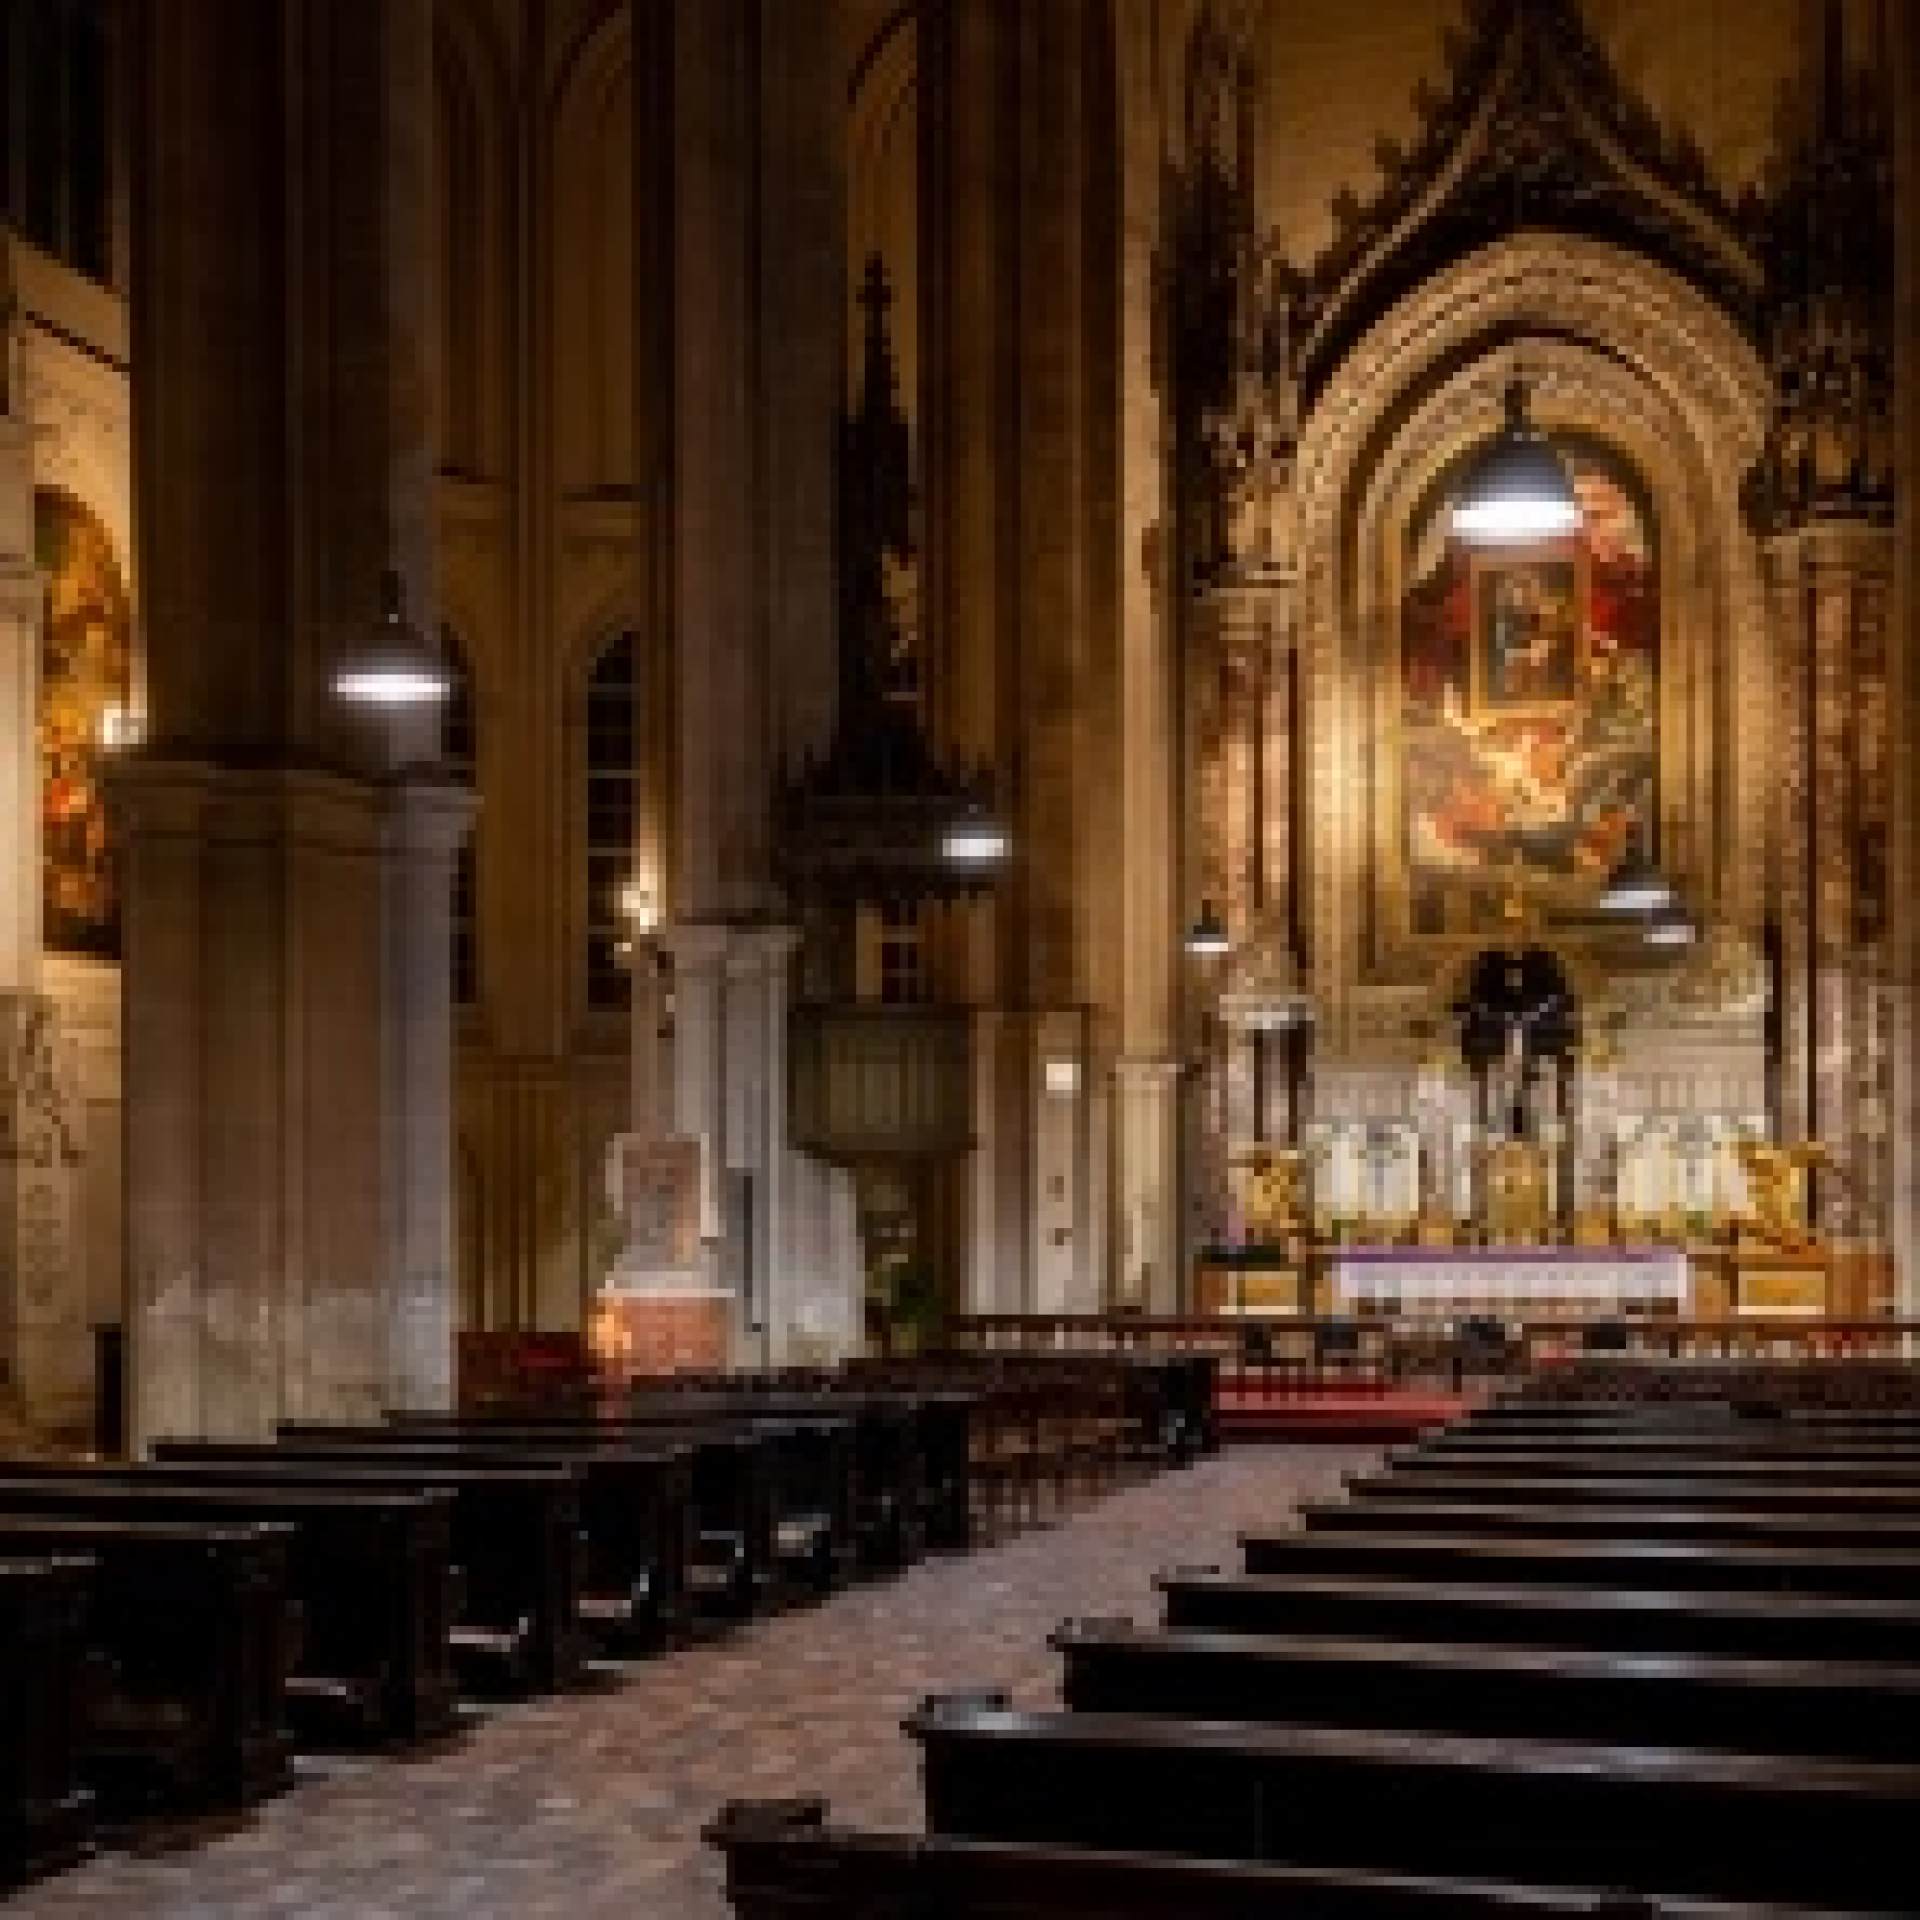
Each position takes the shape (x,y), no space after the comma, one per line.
(46,1364)
(287,863)
(1145,1234)
(426,823)
(1906,650)
(1834,581)
(1146,1142)
(739,165)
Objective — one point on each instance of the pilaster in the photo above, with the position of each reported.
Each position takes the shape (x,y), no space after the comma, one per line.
(288,1213)
(1146,1128)
(1832,584)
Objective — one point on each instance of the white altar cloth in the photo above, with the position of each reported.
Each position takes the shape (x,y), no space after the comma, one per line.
(1552,1280)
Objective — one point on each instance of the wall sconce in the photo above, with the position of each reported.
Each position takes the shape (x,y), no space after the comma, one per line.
(640,908)
(119,728)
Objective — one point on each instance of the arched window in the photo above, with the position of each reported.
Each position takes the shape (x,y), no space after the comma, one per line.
(459,755)
(613,816)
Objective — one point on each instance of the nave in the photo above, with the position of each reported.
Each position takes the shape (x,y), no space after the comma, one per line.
(592,1803)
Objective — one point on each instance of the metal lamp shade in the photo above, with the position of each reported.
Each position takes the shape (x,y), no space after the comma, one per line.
(1519,489)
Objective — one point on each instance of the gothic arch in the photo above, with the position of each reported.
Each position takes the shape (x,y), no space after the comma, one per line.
(883,198)
(1618,346)
(588,160)
(1536,130)
(472,228)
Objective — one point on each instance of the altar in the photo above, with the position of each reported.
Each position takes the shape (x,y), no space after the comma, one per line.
(1512,1282)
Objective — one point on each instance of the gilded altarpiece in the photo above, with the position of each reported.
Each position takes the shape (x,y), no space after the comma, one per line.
(1524,693)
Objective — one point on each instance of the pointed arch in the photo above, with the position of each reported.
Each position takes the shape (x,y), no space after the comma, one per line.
(589,166)
(460,761)
(473,227)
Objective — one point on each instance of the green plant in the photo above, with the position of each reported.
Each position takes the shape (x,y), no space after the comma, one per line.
(915,1306)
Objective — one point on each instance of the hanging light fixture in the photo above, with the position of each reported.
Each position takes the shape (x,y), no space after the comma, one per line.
(398,667)
(974,839)
(1671,926)
(1636,885)
(1207,937)
(1519,488)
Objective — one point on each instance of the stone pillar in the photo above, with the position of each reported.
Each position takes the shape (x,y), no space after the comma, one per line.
(1146,1125)
(425,823)
(46,1362)
(1833,583)
(1144,1198)
(742,160)
(286,863)
(1905,89)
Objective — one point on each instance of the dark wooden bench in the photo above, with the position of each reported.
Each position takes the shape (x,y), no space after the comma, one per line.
(1689,1418)
(886,1492)
(1461,1553)
(1839,1710)
(45,1812)
(736,1566)
(1559,1519)
(515,1538)
(636,1513)
(1897,1466)
(1842,1499)
(911,1485)
(785,1862)
(369,1571)
(1741,1626)
(188,1629)
(1645,1819)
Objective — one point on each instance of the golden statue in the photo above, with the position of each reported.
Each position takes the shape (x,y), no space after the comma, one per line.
(1269,1182)
(1516,1173)
(1776,1180)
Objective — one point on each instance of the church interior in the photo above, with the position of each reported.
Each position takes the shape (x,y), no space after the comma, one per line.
(847,838)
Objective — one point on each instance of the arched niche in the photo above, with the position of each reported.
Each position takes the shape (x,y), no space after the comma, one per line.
(1623,354)
(473,225)
(883,192)
(590,173)
(86,675)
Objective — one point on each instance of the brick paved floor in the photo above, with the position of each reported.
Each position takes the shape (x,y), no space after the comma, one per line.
(592,1805)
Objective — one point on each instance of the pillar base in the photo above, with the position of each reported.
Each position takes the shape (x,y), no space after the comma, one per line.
(46,1350)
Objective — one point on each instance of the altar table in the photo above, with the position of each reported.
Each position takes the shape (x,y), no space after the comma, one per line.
(1511,1280)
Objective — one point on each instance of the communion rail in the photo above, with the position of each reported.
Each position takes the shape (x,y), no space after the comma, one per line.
(1275,1354)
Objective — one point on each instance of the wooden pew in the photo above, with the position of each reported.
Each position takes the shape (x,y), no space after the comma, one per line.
(1839,1710)
(1687,1418)
(1841,1499)
(1768,1460)
(515,1538)
(368,1569)
(1648,1820)
(1459,1553)
(911,1485)
(736,1563)
(188,1625)
(887,1491)
(636,1513)
(1557,1519)
(785,1862)
(45,1812)
(1734,1625)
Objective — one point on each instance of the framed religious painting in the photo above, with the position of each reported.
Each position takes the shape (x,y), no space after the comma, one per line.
(1529,629)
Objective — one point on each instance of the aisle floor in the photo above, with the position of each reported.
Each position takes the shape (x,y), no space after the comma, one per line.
(591,1805)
